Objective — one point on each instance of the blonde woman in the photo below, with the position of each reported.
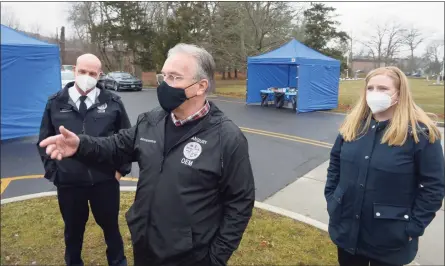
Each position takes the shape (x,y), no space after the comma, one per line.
(385,178)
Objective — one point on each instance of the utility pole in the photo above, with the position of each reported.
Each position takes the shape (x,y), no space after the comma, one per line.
(62,44)
(350,57)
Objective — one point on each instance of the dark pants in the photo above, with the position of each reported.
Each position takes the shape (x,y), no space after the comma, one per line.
(143,257)
(104,200)
(347,259)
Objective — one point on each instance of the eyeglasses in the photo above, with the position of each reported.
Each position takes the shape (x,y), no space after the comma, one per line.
(172,78)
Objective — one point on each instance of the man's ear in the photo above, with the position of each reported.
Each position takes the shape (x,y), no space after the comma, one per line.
(203,87)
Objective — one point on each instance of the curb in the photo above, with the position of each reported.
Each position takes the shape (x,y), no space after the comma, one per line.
(51,193)
(292,215)
(260,205)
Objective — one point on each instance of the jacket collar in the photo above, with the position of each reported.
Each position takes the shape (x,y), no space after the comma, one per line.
(214,116)
(103,97)
(379,124)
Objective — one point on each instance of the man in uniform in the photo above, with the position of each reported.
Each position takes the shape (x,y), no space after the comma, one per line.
(84,107)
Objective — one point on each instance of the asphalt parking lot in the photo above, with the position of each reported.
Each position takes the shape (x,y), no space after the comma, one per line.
(283,145)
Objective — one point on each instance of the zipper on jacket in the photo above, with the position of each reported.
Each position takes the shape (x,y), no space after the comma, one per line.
(90,176)
(162,164)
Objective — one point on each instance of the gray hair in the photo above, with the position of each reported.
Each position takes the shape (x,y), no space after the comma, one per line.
(205,63)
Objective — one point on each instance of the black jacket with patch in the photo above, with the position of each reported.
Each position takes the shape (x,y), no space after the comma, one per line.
(378,196)
(104,118)
(191,204)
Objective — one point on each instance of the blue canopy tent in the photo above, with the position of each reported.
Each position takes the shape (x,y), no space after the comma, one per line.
(315,75)
(30,73)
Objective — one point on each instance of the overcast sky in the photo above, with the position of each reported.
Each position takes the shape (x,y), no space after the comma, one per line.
(355,17)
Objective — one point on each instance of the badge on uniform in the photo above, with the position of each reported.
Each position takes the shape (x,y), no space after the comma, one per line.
(101,108)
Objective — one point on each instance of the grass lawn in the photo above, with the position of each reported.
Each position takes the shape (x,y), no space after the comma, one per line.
(32,231)
(430,98)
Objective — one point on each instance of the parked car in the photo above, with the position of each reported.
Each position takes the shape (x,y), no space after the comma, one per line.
(67,77)
(122,81)
(101,80)
(67,68)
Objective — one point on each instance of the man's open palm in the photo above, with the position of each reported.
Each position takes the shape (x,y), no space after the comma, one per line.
(62,145)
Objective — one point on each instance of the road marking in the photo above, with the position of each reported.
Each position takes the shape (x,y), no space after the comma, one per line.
(332,113)
(129,179)
(285,136)
(229,101)
(7,180)
(5,184)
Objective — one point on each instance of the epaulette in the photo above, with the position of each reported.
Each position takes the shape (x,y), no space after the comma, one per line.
(53,96)
(115,97)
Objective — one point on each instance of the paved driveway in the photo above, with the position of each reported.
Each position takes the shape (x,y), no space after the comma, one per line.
(283,145)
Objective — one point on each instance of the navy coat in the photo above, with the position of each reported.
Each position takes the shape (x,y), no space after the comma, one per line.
(378,196)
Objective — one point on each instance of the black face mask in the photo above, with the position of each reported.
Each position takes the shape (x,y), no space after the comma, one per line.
(170,97)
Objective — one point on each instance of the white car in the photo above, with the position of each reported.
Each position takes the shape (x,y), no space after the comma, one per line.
(67,77)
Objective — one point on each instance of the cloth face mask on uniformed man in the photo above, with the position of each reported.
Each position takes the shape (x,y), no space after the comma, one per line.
(378,101)
(85,82)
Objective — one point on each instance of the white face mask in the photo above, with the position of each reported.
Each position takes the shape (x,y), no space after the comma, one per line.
(378,101)
(85,82)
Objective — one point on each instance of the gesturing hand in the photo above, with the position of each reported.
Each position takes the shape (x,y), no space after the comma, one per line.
(62,145)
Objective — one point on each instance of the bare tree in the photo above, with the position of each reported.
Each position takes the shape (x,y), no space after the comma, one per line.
(35,28)
(412,38)
(85,17)
(376,44)
(394,41)
(435,49)
(434,55)
(9,18)
(269,19)
(385,43)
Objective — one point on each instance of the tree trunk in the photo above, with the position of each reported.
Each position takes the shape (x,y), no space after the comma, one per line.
(229,73)
(224,75)
(236,73)
(165,13)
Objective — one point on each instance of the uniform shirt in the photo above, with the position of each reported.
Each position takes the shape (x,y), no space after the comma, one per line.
(91,96)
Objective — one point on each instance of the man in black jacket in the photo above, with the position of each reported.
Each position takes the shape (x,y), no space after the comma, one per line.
(84,107)
(196,191)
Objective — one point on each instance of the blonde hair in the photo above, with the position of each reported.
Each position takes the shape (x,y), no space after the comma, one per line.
(406,114)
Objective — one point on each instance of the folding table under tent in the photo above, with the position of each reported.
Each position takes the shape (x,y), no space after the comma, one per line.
(30,73)
(316,76)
